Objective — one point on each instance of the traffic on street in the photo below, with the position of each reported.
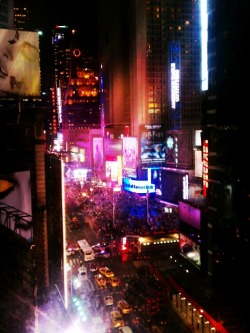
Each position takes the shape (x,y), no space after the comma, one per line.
(117,288)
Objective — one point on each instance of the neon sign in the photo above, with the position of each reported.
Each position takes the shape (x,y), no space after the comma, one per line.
(205,167)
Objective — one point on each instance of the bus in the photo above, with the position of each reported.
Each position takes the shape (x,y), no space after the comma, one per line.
(86,250)
(147,244)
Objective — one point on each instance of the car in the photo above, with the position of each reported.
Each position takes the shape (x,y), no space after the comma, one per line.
(124,306)
(102,254)
(114,281)
(108,300)
(116,318)
(71,248)
(82,273)
(105,271)
(70,251)
(100,280)
(98,247)
(93,267)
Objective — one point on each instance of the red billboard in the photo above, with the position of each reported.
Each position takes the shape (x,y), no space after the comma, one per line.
(19,63)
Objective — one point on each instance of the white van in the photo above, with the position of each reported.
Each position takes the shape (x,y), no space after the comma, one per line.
(82,273)
(125,329)
(86,250)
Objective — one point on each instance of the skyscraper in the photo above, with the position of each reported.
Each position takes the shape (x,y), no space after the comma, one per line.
(177,65)
(152,36)
(225,130)
(6,14)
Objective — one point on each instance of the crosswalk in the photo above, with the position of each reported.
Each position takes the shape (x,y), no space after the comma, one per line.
(74,261)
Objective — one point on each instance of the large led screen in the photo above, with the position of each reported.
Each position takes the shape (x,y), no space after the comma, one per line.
(179,152)
(19,63)
(155,178)
(152,145)
(172,186)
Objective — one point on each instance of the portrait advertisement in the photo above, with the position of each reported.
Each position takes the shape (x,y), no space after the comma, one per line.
(98,153)
(130,157)
(152,144)
(16,203)
(19,63)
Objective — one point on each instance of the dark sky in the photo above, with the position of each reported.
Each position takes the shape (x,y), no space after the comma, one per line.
(78,14)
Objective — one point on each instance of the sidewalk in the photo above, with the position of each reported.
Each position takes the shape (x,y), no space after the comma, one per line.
(193,323)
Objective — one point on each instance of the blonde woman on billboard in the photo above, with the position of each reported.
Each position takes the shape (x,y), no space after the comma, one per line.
(19,63)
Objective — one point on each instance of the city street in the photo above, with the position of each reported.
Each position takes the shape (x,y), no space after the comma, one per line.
(123,269)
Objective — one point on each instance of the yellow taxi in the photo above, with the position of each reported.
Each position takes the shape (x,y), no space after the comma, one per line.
(105,271)
(113,281)
(124,306)
(100,281)
(116,318)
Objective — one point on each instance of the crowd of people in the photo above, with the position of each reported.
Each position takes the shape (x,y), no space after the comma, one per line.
(124,212)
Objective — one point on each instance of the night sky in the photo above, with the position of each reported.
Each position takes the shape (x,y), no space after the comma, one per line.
(77,14)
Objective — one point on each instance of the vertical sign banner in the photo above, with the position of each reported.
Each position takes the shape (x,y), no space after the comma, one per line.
(205,167)
(130,157)
(174,74)
(19,63)
(111,170)
(98,154)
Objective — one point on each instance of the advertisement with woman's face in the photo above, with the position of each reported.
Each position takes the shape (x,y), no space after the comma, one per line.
(19,63)
(15,192)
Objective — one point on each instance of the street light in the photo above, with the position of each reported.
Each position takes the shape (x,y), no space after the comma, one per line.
(147,208)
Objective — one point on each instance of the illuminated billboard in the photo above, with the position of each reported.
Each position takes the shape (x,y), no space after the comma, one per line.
(173,186)
(179,151)
(113,160)
(98,154)
(111,170)
(19,63)
(15,192)
(190,250)
(130,157)
(205,167)
(138,186)
(152,144)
